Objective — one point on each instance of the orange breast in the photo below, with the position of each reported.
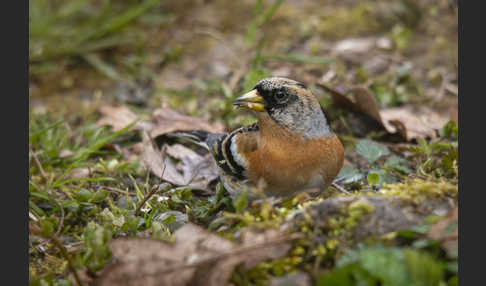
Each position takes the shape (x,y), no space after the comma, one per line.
(287,164)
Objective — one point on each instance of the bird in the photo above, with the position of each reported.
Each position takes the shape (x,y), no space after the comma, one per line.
(290,149)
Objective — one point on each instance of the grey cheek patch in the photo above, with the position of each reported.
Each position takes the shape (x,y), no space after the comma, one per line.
(309,122)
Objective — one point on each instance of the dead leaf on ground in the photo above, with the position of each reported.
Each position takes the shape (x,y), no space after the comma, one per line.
(198,171)
(358,46)
(166,120)
(78,173)
(409,122)
(192,169)
(197,257)
(413,122)
(154,160)
(119,117)
(446,230)
(64,153)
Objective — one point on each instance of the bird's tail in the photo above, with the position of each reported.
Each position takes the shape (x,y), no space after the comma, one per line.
(200,137)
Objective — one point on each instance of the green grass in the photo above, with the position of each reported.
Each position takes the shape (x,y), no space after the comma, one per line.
(75,30)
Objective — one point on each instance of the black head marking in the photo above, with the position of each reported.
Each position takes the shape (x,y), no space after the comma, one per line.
(277,93)
(293,106)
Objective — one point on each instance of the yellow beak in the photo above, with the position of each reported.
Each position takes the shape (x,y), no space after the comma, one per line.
(251,100)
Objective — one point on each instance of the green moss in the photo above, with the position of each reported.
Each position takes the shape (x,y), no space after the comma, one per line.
(356,210)
(48,264)
(418,190)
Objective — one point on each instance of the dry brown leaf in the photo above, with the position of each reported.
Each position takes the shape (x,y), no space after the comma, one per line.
(420,122)
(78,173)
(198,171)
(408,121)
(366,103)
(197,257)
(152,158)
(64,153)
(192,170)
(155,161)
(166,120)
(354,50)
(446,230)
(119,117)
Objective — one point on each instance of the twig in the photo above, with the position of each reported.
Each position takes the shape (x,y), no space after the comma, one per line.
(39,165)
(148,196)
(61,223)
(339,188)
(116,190)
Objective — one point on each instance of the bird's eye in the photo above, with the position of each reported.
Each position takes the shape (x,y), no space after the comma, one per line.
(280,95)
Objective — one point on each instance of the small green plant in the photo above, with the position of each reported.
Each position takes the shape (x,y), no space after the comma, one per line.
(387,173)
(378,265)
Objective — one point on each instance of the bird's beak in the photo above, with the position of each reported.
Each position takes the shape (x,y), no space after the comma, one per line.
(251,100)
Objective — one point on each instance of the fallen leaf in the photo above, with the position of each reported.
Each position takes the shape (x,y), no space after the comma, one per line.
(408,122)
(198,171)
(192,169)
(64,153)
(413,122)
(166,120)
(78,173)
(354,46)
(197,257)
(119,117)
(155,161)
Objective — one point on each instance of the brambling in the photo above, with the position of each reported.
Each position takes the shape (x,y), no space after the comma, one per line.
(291,148)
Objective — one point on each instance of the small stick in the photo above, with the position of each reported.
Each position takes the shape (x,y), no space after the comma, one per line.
(116,190)
(39,165)
(339,188)
(147,196)
(61,223)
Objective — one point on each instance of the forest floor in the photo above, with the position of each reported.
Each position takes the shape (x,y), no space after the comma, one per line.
(113,200)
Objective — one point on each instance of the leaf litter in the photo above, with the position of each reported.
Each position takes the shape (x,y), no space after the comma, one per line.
(166,120)
(409,122)
(175,164)
(197,257)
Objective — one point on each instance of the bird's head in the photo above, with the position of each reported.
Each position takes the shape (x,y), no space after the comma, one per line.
(289,103)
